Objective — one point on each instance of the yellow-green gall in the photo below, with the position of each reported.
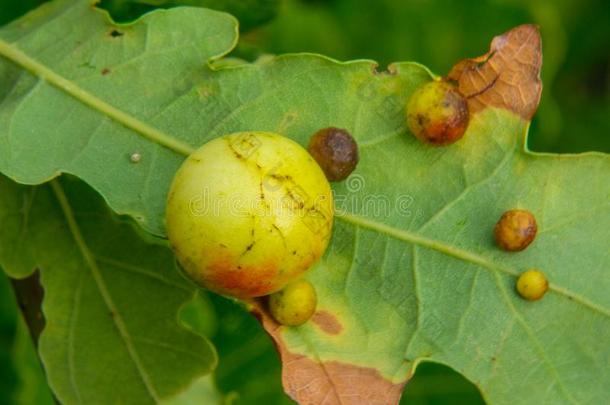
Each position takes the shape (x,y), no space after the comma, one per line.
(249,212)
(532,285)
(437,113)
(295,304)
(515,230)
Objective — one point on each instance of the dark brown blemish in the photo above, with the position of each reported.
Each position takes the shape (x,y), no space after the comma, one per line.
(248,248)
(116,33)
(105,71)
(279,231)
(295,198)
(327,322)
(336,151)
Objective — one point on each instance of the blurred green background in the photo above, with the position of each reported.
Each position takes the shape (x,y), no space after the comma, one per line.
(574,116)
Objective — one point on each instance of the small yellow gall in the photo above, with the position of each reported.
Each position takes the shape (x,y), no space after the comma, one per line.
(532,285)
(437,113)
(515,230)
(295,304)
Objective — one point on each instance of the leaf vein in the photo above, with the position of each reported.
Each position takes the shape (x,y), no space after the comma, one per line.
(102,288)
(11,52)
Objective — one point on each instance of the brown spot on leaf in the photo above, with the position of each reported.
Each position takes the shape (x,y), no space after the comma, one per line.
(116,33)
(105,71)
(309,381)
(336,152)
(327,322)
(508,76)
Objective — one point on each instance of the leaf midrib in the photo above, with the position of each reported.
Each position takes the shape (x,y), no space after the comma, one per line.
(11,52)
(102,288)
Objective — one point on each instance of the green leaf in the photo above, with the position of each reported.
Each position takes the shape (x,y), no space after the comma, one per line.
(412,273)
(111,301)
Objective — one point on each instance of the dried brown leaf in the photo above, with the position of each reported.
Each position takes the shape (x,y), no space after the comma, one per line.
(312,382)
(508,76)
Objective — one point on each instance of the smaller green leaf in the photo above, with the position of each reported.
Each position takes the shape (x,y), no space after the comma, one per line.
(111,301)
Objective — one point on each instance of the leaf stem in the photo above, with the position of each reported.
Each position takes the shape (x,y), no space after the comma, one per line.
(423,241)
(11,52)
